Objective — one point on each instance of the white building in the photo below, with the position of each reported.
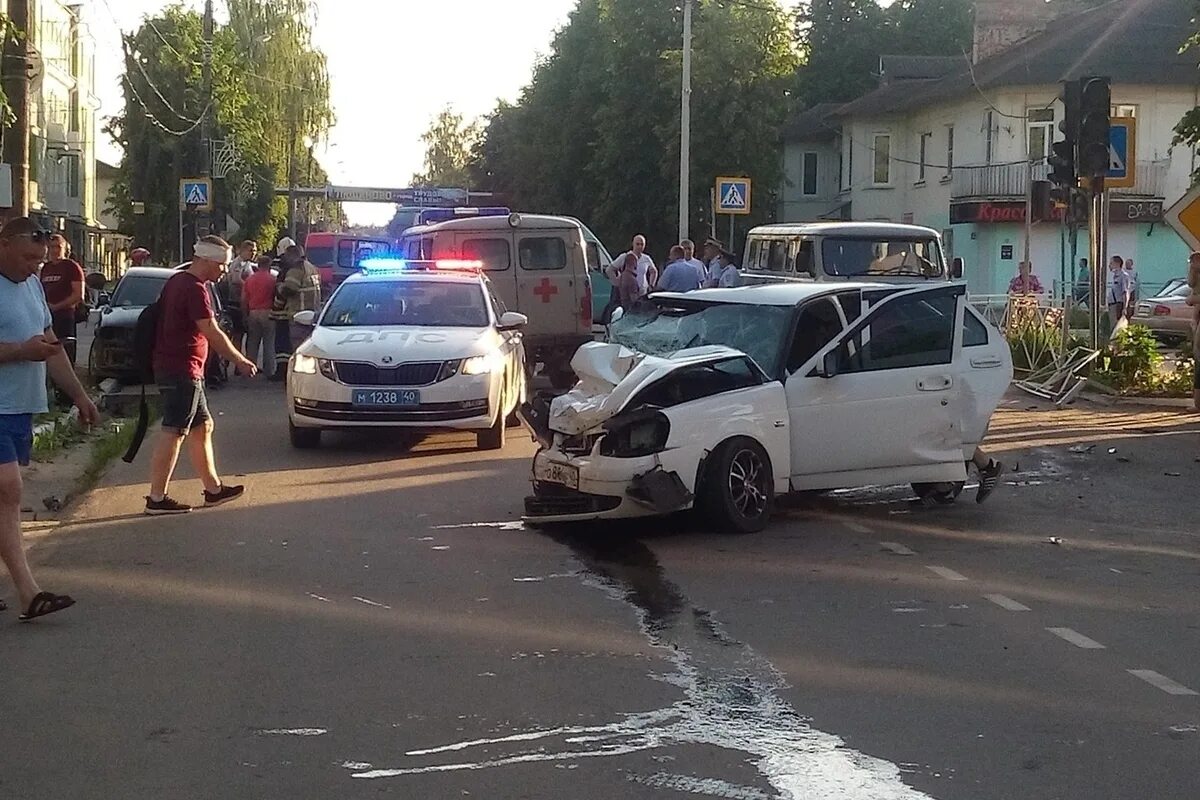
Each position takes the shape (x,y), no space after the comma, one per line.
(950,144)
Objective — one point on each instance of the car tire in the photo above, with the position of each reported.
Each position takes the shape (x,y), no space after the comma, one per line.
(493,437)
(738,489)
(304,438)
(941,493)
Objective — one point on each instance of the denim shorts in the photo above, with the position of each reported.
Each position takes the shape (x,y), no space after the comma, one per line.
(184,405)
(16,438)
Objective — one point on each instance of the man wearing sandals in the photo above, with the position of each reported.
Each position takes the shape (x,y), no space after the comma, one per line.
(28,349)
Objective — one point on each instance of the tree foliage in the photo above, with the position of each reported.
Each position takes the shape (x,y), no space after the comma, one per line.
(270,96)
(449,141)
(595,134)
(1187,130)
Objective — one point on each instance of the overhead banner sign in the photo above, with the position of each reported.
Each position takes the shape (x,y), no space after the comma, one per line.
(411,196)
(1013,212)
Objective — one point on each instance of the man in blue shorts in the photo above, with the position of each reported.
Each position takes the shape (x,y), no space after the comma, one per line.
(28,349)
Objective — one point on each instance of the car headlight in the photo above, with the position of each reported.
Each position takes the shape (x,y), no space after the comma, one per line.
(482,365)
(327,368)
(304,365)
(639,435)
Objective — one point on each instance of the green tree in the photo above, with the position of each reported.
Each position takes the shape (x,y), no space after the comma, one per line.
(270,97)
(932,27)
(449,141)
(840,43)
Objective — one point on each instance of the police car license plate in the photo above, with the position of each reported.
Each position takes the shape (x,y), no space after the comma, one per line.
(385,398)
(553,472)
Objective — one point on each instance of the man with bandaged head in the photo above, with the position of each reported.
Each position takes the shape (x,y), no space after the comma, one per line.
(186,328)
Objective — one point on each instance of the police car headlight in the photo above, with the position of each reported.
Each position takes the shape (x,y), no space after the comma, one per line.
(304,365)
(482,365)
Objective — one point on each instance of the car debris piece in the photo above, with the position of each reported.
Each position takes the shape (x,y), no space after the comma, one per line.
(661,490)
(1081,448)
(1173,474)
(1055,540)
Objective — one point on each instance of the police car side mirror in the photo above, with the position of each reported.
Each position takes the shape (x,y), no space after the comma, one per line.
(511,321)
(306,318)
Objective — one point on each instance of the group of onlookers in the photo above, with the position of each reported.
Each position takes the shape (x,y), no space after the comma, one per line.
(634,275)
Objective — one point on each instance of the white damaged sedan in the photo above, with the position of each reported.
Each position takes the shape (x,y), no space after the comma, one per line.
(723,399)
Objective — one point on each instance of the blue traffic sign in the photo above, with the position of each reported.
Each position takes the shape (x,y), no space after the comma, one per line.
(733,195)
(196,193)
(1122,152)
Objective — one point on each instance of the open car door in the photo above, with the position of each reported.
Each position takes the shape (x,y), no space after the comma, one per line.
(881,402)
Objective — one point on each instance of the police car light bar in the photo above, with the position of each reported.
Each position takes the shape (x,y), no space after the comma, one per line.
(381,265)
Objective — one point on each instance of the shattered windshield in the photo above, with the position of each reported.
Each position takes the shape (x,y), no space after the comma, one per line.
(758,331)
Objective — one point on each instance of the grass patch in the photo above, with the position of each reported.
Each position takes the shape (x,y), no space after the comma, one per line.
(63,433)
(105,447)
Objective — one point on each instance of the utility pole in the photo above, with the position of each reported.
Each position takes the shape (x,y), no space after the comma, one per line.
(15,73)
(685,122)
(206,114)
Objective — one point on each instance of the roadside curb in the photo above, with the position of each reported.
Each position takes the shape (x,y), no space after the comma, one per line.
(1179,403)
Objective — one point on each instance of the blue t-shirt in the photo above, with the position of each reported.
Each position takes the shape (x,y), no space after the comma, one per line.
(679,276)
(23,315)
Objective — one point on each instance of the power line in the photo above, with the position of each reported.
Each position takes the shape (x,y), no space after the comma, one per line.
(129,57)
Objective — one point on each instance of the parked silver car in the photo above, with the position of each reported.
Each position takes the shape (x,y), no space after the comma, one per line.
(1167,314)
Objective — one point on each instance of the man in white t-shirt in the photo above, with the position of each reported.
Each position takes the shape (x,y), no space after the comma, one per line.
(647,273)
(689,255)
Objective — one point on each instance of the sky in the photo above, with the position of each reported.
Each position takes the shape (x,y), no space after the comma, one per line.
(393,65)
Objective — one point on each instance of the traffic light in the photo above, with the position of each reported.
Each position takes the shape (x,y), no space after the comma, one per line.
(1095,103)
(1062,153)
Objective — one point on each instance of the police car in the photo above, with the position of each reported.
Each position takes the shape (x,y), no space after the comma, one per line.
(406,344)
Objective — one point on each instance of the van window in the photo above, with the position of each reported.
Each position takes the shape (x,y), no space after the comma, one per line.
(321,255)
(804,259)
(847,256)
(593,256)
(494,253)
(777,257)
(412,249)
(351,251)
(543,252)
(752,254)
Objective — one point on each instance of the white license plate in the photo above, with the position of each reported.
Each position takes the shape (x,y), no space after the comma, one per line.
(385,398)
(553,472)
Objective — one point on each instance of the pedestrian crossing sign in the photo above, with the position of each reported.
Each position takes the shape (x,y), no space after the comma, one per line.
(733,195)
(1122,153)
(195,194)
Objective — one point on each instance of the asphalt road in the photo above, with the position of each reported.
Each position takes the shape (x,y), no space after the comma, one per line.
(373,620)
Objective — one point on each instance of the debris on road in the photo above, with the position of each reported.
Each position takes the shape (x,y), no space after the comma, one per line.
(1055,540)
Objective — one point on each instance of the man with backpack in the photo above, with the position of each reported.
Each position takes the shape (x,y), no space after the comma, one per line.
(185,327)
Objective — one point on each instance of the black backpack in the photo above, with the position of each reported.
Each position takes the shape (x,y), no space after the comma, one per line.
(145,334)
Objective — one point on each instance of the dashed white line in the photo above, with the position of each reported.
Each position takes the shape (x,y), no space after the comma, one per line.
(946,572)
(365,601)
(1006,602)
(897,548)
(1162,682)
(1076,638)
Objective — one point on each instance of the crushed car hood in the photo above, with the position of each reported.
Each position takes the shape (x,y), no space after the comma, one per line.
(611,374)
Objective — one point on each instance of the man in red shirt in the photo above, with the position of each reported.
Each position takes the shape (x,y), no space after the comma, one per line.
(62,282)
(258,294)
(186,329)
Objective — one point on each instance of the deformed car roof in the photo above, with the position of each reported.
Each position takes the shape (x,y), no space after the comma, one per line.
(774,294)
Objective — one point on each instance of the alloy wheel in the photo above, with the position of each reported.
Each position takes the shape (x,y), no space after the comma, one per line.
(747,484)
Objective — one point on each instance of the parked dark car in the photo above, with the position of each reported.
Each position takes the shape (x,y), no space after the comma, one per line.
(112,349)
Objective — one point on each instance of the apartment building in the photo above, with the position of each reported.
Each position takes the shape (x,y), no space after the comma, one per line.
(953,143)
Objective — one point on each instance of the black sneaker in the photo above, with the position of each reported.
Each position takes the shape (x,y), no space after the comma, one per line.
(165,506)
(989,478)
(222,495)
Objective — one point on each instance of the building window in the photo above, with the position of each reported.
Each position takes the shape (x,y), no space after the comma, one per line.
(1124,111)
(881,174)
(989,137)
(923,156)
(72,176)
(1039,126)
(808,176)
(841,171)
(949,151)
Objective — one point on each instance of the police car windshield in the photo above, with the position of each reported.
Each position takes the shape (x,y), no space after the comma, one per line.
(433,304)
(918,258)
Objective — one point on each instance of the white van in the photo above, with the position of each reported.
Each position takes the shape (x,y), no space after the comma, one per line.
(537,264)
(843,251)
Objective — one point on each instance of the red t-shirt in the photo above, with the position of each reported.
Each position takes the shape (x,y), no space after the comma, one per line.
(57,277)
(180,349)
(259,291)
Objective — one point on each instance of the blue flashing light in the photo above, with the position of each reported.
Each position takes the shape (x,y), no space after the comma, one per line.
(383,264)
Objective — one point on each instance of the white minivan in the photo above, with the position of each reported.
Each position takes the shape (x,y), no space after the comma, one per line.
(844,251)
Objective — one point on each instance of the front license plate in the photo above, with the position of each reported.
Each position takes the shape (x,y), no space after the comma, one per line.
(385,398)
(553,472)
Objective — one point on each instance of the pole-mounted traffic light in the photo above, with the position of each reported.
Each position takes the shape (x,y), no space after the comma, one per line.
(1095,104)
(1063,176)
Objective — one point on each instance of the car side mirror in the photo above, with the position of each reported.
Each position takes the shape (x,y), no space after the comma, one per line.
(511,321)
(956,272)
(305,318)
(829,365)
(616,315)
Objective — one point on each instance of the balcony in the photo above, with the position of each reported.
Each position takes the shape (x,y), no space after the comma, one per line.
(1009,181)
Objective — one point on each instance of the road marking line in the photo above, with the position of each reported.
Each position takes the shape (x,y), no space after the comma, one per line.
(897,548)
(946,573)
(854,526)
(1007,603)
(365,601)
(1076,638)
(1162,682)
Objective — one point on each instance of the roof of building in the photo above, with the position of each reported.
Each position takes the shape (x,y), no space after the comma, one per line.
(1130,41)
(105,170)
(907,68)
(811,124)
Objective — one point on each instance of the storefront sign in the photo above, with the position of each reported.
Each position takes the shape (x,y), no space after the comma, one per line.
(1135,211)
(1013,212)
